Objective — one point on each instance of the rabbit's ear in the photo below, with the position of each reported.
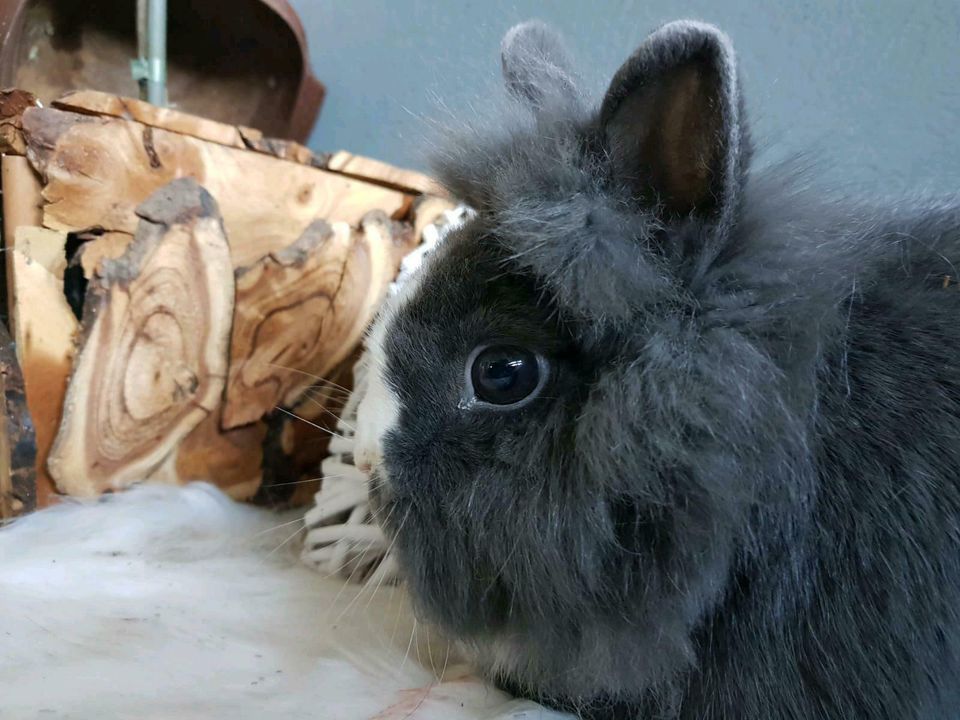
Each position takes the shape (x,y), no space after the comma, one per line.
(536,67)
(671,122)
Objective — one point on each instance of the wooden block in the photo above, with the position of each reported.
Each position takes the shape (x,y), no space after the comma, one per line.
(40,320)
(283,149)
(47,247)
(372,170)
(22,205)
(44,331)
(22,198)
(311,251)
(92,102)
(301,311)
(282,302)
(153,356)
(18,448)
(97,170)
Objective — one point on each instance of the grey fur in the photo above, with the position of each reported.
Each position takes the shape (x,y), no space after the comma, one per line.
(737,496)
(536,66)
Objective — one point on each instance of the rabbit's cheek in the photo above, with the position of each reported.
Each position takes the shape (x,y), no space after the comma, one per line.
(376,416)
(379,495)
(377,413)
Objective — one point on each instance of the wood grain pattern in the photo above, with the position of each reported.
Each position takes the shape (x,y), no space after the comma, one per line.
(97,170)
(92,102)
(358,166)
(302,310)
(152,359)
(311,252)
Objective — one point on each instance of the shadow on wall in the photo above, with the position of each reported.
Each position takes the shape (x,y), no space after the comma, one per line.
(869,88)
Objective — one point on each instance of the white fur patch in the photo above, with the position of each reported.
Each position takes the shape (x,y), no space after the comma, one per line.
(497,655)
(379,407)
(169,602)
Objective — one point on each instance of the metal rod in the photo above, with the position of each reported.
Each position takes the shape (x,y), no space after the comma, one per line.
(157,52)
(138,65)
(141,28)
(150,67)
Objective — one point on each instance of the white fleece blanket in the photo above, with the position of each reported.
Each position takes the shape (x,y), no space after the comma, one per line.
(171,603)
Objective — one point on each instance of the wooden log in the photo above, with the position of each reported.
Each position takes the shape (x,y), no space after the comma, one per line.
(13,103)
(44,328)
(232,459)
(92,102)
(97,170)
(40,320)
(47,247)
(301,311)
(283,149)
(278,325)
(18,448)
(153,356)
(21,207)
(409,181)
(22,196)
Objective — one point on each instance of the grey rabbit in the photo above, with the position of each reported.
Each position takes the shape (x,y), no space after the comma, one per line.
(660,436)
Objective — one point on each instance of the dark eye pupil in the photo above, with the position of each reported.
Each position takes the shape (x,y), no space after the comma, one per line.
(504,374)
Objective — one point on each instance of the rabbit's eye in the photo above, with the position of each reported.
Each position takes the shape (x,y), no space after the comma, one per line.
(505,375)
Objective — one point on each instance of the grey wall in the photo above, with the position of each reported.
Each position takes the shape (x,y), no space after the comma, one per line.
(872,88)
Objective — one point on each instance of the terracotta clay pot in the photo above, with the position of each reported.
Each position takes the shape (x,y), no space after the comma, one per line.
(242,62)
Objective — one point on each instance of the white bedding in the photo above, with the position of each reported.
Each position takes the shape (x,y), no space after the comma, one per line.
(168,602)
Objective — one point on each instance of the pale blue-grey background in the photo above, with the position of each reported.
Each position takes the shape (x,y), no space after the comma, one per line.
(872,88)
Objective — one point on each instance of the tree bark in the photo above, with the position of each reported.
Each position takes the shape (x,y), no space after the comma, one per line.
(13,103)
